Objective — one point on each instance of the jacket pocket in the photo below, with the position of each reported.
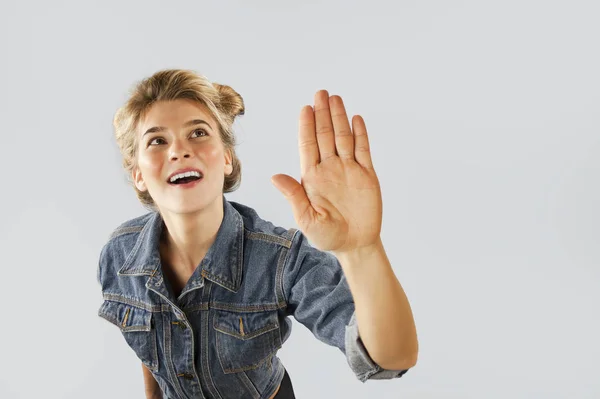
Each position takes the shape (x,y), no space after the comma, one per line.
(245,340)
(137,328)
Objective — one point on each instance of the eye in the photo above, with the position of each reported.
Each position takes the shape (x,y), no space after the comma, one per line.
(199,131)
(154,141)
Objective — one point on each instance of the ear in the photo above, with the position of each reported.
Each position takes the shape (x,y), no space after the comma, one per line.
(138,180)
(228,162)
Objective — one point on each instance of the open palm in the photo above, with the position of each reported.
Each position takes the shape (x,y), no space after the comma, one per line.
(337,204)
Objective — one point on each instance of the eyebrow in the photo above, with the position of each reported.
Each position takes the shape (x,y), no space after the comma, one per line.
(193,122)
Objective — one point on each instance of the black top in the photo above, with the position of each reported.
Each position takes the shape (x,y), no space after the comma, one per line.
(285,390)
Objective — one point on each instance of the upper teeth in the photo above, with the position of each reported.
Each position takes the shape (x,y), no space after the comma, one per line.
(185,174)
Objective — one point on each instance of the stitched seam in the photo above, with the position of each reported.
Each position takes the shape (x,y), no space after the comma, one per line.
(232,307)
(169,362)
(246,336)
(135,248)
(279,293)
(240,257)
(217,280)
(118,324)
(190,290)
(205,325)
(131,301)
(249,385)
(243,308)
(293,233)
(261,236)
(139,271)
(136,328)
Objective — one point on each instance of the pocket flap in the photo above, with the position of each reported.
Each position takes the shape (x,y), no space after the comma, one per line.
(245,325)
(125,316)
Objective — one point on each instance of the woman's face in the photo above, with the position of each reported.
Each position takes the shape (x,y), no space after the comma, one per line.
(181,135)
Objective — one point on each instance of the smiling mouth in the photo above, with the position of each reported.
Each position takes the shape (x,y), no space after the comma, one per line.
(184,180)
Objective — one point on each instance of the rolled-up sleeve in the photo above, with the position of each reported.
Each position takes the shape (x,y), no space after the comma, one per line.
(359,360)
(318,296)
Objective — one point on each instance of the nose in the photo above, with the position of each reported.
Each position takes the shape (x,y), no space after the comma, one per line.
(179,149)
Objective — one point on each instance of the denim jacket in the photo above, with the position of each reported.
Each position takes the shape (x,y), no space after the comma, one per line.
(220,337)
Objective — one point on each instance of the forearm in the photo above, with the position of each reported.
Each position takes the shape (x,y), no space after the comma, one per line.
(151,387)
(383,313)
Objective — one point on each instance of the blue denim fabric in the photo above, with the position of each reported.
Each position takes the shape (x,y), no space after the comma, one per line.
(220,337)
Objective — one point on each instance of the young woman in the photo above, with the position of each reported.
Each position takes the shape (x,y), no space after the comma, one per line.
(202,288)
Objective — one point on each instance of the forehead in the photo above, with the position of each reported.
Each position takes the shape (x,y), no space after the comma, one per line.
(173,114)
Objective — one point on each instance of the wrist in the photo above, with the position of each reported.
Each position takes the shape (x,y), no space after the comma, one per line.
(355,255)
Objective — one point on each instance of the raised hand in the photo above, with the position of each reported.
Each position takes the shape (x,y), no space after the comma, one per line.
(337,204)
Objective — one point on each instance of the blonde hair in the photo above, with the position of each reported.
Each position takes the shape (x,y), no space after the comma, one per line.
(224,104)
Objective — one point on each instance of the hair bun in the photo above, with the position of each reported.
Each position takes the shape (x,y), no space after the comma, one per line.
(230,101)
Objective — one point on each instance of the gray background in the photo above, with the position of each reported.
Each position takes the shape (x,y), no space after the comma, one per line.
(484,126)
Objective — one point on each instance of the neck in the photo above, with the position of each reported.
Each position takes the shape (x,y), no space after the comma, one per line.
(187,237)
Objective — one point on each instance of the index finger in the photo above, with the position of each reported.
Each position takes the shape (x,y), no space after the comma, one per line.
(307,140)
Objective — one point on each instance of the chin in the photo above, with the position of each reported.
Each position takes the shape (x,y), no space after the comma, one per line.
(186,206)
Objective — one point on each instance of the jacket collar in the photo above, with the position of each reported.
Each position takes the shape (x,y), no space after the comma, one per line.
(222,263)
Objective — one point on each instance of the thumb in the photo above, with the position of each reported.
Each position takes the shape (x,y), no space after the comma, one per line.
(293,192)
